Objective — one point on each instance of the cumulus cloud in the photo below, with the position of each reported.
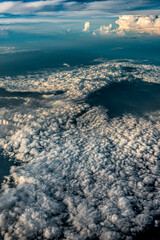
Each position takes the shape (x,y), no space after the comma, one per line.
(86,27)
(139,24)
(105,29)
(6,49)
(117,7)
(99,177)
(136,24)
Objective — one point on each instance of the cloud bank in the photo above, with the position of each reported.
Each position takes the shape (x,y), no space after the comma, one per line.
(146,24)
(139,24)
(81,174)
(77,7)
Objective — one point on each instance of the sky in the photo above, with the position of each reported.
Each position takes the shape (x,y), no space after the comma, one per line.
(77,8)
(145,14)
(101,26)
(79,100)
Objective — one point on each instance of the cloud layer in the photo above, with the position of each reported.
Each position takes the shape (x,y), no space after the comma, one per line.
(77,7)
(81,174)
(105,29)
(146,24)
(20,7)
(86,26)
(139,24)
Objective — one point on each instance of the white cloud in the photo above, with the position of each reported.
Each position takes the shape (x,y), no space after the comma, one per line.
(75,162)
(139,24)
(136,24)
(6,6)
(75,8)
(120,32)
(105,29)
(19,7)
(86,27)
(15,20)
(117,7)
(8,50)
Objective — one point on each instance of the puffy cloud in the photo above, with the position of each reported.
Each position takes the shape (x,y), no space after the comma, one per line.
(5,6)
(120,32)
(86,27)
(99,176)
(105,29)
(117,7)
(139,24)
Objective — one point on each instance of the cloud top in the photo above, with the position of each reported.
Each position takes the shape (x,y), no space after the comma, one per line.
(105,29)
(86,27)
(99,177)
(139,24)
(78,8)
(20,7)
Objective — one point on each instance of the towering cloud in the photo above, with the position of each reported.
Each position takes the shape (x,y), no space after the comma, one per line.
(86,26)
(139,24)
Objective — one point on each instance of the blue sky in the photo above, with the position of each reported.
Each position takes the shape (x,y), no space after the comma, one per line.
(70,16)
(68,12)
(78,8)
(50,24)
(29,11)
